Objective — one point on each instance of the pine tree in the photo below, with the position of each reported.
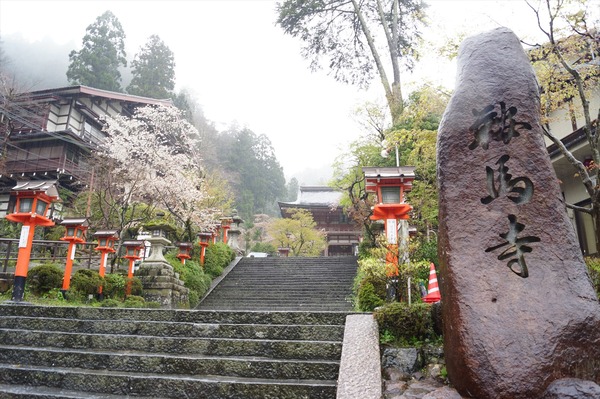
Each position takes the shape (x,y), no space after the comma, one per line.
(97,63)
(153,70)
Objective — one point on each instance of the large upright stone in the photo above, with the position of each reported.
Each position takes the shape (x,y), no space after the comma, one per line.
(518,307)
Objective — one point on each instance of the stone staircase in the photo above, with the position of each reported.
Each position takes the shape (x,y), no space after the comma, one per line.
(292,284)
(272,328)
(108,353)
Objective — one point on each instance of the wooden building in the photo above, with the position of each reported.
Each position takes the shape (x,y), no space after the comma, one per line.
(49,134)
(343,236)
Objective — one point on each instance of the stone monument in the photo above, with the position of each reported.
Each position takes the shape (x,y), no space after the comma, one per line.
(159,280)
(519,311)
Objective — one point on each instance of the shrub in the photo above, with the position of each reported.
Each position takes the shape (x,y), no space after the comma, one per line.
(407,323)
(369,284)
(194,299)
(43,278)
(114,285)
(136,286)
(110,303)
(86,282)
(593,266)
(134,301)
(218,256)
(367,299)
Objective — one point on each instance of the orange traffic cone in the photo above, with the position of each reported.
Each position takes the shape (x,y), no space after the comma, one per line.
(433,289)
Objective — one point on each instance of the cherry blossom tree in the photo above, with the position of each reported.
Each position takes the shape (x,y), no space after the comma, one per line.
(153,152)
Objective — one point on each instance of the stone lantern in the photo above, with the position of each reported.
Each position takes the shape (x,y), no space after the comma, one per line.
(204,238)
(235,232)
(106,244)
(75,229)
(31,209)
(132,253)
(159,280)
(184,251)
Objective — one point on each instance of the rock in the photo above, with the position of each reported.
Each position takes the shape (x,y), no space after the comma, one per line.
(572,388)
(443,393)
(433,354)
(395,388)
(403,359)
(518,307)
(434,370)
(394,374)
(418,376)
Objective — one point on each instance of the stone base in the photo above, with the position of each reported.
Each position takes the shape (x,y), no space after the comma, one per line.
(162,285)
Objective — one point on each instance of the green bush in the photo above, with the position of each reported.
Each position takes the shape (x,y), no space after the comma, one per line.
(136,286)
(86,282)
(43,278)
(593,266)
(367,299)
(114,285)
(134,301)
(369,284)
(218,256)
(409,324)
(110,303)
(193,277)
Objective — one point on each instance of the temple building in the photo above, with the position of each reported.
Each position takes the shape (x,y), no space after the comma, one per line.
(343,235)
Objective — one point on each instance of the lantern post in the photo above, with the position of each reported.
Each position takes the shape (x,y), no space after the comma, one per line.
(132,253)
(184,251)
(33,201)
(75,229)
(216,228)
(106,245)
(226,225)
(205,238)
(390,185)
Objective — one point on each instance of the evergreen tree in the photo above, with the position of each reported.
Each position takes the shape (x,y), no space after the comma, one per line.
(97,63)
(153,70)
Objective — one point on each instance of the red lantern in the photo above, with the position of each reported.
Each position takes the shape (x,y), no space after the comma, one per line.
(74,234)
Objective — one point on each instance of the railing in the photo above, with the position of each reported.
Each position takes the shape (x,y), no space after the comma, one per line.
(43,250)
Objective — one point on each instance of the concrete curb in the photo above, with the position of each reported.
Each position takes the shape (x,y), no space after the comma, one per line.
(360,366)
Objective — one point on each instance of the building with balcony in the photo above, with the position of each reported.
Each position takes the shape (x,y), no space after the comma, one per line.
(49,134)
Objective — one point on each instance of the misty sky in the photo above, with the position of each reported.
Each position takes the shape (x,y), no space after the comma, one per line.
(242,68)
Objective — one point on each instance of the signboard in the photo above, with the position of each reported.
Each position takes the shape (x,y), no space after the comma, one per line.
(24,236)
(391,231)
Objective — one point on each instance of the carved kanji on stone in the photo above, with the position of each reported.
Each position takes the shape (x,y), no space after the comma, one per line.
(522,186)
(516,247)
(491,125)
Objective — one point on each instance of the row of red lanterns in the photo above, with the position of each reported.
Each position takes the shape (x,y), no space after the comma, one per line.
(32,202)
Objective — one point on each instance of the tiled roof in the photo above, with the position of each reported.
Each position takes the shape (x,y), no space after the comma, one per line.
(316,196)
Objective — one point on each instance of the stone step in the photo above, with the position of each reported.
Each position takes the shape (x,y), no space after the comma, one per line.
(179,329)
(40,392)
(164,385)
(189,316)
(160,364)
(276,349)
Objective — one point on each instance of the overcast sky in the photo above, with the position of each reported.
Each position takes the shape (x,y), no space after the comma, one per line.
(244,70)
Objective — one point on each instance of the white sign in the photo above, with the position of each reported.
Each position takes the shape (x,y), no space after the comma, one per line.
(73,253)
(24,236)
(391,231)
